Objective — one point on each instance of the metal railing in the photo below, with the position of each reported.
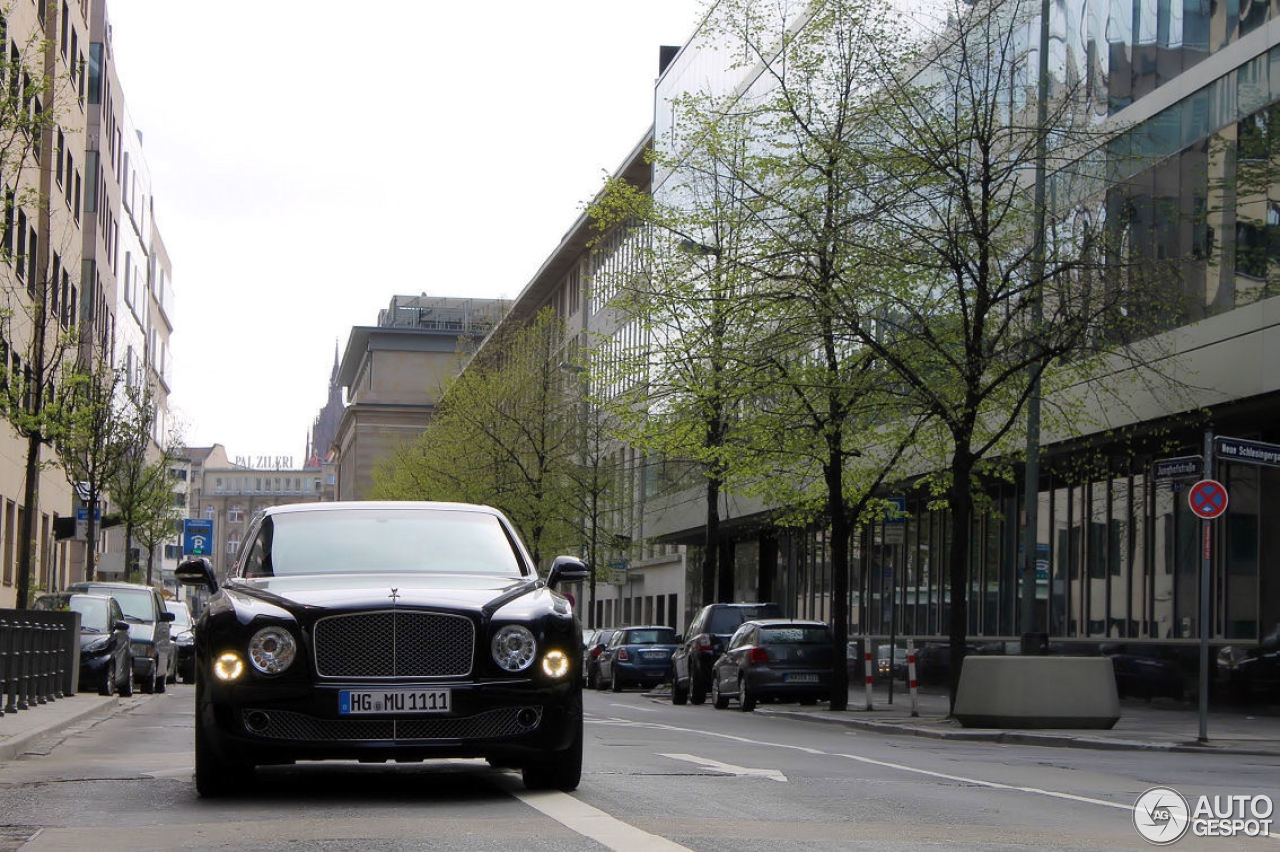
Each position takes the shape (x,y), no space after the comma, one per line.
(39,657)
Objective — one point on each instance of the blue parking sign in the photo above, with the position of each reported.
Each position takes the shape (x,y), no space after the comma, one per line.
(197,536)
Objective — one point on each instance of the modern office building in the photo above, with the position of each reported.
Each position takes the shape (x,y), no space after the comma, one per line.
(1196,89)
(394,373)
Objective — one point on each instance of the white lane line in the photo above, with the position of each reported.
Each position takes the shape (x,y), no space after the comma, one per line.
(594,823)
(641,709)
(729,768)
(902,767)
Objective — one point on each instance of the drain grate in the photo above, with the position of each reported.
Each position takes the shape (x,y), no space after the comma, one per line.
(13,836)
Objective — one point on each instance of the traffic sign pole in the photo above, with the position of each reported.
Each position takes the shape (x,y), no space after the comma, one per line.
(1206,565)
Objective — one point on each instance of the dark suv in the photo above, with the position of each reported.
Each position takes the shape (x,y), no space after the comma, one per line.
(704,643)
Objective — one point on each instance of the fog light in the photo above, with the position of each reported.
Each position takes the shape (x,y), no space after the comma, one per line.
(555,664)
(229,666)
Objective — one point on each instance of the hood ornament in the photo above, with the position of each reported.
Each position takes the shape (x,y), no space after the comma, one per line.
(395,596)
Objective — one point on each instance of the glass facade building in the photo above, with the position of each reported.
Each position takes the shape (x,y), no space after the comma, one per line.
(1191,180)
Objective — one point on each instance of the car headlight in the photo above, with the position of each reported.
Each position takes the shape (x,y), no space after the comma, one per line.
(514,648)
(555,664)
(272,650)
(228,666)
(142,649)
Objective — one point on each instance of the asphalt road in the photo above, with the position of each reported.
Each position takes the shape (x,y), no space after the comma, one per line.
(656,777)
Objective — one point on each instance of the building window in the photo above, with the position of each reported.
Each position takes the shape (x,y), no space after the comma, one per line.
(210,512)
(235,515)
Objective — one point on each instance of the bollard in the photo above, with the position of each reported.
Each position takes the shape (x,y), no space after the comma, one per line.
(63,666)
(912,684)
(25,645)
(866,657)
(50,661)
(5,637)
(41,680)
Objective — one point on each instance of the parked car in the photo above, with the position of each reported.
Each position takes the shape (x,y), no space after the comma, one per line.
(1252,674)
(182,631)
(105,660)
(897,668)
(636,656)
(774,659)
(1141,672)
(150,644)
(591,651)
(394,631)
(698,649)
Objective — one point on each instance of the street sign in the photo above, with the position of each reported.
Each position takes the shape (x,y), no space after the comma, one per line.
(82,521)
(1179,467)
(1240,451)
(1207,499)
(898,514)
(197,536)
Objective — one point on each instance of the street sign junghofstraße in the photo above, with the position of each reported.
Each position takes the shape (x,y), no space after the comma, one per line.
(1240,451)
(1178,467)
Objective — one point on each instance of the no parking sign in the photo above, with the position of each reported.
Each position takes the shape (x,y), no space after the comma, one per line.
(1207,499)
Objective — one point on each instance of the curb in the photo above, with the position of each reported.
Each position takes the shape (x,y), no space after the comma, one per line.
(1024,737)
(12,747)
(1003,737)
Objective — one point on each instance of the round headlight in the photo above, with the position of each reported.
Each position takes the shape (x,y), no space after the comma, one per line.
(272,649)
(228,666)
(555,664)
(514,648)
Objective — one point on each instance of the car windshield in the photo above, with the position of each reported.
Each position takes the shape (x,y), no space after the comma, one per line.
(381,540)
(94,613)
(729,619)
(651,636)
(181,616)
(136,603)
(795,634)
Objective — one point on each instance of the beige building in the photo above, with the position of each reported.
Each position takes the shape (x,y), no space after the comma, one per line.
(395,372)
(230,495)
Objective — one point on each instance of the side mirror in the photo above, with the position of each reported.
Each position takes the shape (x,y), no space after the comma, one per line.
(167,616)
(197,572)
(120,625)
(567,569)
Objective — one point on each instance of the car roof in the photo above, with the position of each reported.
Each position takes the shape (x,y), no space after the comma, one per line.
(645,627)
(74,595)
(347,505)
(790,622)
(105,584)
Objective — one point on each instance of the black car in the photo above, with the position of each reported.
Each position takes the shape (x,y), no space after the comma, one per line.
(183,633)
(704,643)
(105,660)
(592,648)
(639,656)
(386,631)
(144,610)
(774,659)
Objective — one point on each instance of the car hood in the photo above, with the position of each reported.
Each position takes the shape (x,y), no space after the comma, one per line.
(330,591)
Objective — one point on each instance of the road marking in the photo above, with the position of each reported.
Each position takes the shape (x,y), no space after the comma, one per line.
(729,768)
(641,709)
(594,823)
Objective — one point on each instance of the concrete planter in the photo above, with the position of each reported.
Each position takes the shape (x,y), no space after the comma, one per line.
(1037,692)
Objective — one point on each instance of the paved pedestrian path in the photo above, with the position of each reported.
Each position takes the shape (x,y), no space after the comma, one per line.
(1156,725)
(22,729)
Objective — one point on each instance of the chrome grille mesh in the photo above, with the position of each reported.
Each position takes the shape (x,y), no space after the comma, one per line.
(491,724)
(394,643)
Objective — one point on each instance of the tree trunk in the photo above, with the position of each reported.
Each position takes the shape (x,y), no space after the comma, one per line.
(961,500)
(711,542)
(834,473)
(27,533)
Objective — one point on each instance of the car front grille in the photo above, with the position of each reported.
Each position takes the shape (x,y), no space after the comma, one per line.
(299,727)
(394,643)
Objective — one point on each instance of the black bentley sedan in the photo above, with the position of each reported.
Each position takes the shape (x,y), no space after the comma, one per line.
(386,632)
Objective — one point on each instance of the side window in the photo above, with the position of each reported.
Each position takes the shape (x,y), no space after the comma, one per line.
(258,561)
(741,637)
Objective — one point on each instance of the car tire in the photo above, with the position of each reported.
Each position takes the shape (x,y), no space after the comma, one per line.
(808,702)
(718,700)
(697,687)
(679,694)
(216,777)
(162,680)
(746,701)
(126,684)
(148,683)
(108,683)
(615,683)
(561,770)
(593,678)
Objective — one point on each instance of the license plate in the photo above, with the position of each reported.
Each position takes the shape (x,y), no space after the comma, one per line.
(802,678)
(353,702)
(654,655)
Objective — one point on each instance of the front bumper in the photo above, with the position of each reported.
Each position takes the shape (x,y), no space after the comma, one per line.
(508,720)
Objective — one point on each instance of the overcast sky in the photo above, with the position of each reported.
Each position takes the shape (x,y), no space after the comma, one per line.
(308,164)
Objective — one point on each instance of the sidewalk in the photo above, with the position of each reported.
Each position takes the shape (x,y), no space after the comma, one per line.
(1158,725)
(23,729)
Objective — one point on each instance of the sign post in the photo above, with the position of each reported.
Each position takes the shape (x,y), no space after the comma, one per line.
(1208,500)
